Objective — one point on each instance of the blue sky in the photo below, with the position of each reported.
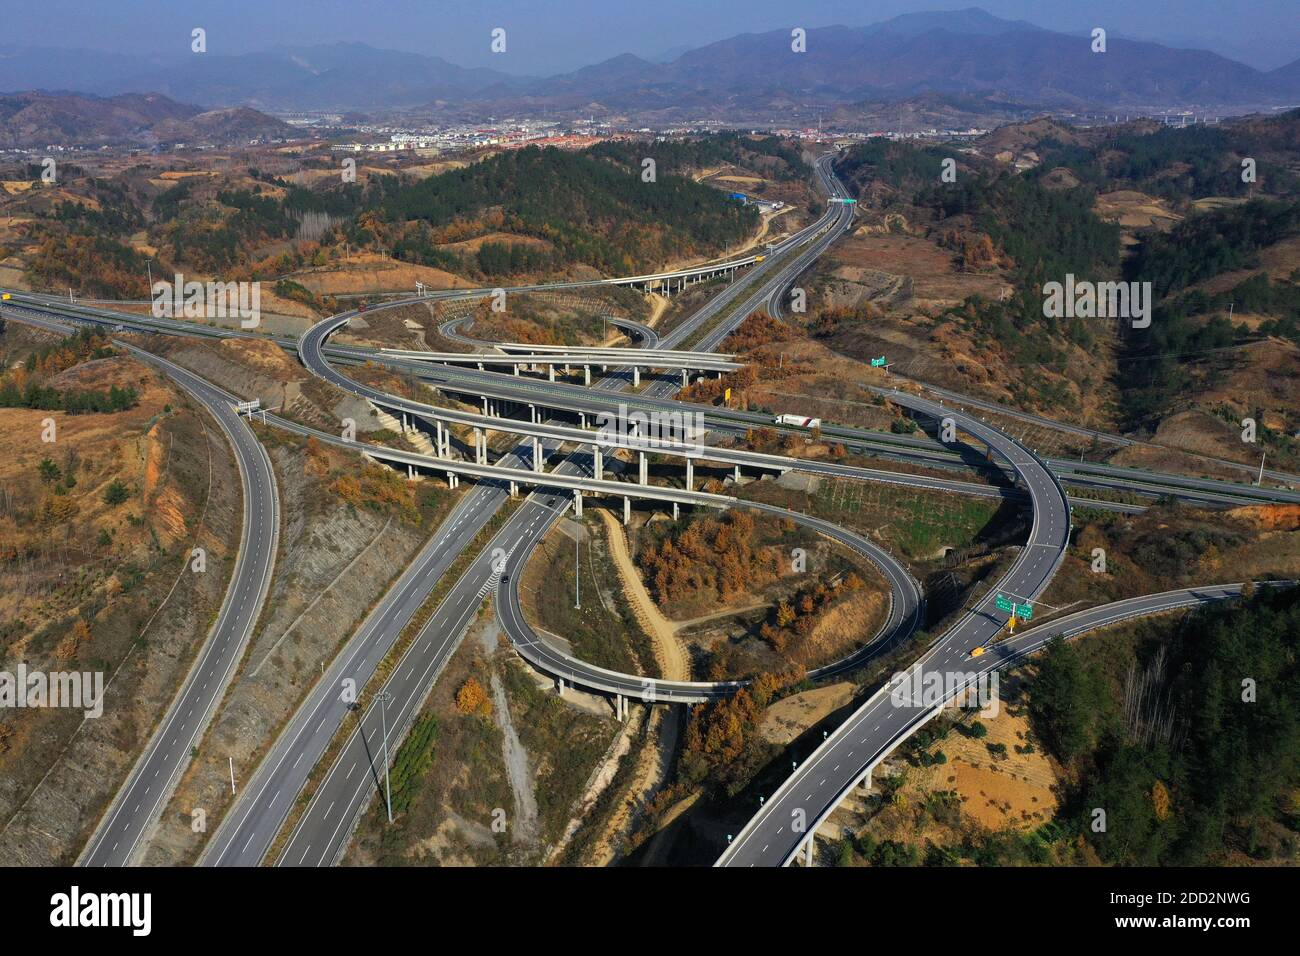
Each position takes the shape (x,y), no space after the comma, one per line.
(550,36)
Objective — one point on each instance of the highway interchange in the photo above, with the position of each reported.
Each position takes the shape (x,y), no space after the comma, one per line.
(319,836)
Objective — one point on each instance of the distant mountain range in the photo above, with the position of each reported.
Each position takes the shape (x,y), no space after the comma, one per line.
(34,120)
(962,53)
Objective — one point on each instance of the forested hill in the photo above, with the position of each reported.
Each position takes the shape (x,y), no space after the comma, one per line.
(770,155)
(880,162)
(1210,778)
(1184,163)
(590,209)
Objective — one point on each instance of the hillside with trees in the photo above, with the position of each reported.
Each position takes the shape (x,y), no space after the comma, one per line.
(1191,338)
(1184,163)
(1193,752)
(28,384)
(590,210)
(711,560)
(769,155)
(1206,214)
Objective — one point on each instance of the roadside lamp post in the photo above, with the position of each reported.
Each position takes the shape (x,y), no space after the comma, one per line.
(577,568)
(384,697)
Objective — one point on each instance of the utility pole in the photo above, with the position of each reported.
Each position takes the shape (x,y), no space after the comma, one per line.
(1260,481)
(384,697)
(149,265)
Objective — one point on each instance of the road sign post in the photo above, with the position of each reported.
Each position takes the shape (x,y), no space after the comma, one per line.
(1023,611)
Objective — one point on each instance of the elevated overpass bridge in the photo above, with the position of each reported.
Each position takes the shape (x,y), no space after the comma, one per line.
(537,358)
(498,391)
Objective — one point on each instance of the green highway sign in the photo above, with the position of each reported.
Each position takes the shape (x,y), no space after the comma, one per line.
(1022,612)
(846,202)
(878,362)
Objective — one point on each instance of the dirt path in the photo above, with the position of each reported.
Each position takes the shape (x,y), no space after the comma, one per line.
(658,306)
(715,615)
(654,762)
(765,228)
(513,754)
(669,651)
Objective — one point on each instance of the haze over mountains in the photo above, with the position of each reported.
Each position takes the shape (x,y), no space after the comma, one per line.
(130,119)
(958,53)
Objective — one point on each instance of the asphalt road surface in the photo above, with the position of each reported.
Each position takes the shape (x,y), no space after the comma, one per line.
(814,789)
(150,783)
(887,718)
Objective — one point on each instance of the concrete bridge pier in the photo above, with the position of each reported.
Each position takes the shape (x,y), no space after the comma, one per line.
(686,377)
(550,372)
(690,474)
(586,375)
(532,414)
(676,511)
(577,502)
(627,510)
(537,454)
(736,476)
(636,376)
(559,686)
(600,464)
(644,471)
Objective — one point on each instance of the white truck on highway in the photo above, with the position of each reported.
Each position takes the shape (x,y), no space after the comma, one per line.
(798,421)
